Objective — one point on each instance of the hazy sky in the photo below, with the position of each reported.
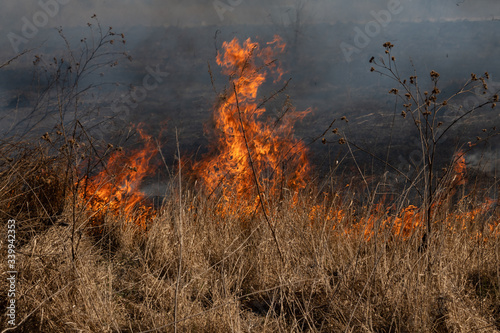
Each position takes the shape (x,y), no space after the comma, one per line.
(200,12)
(25,22)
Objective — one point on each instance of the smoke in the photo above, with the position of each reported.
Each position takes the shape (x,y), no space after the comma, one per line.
(186,13)
(181,36)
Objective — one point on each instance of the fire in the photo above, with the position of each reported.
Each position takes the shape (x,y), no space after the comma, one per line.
(459,168)
(115,189)
(408,221)
(254,159)
(251,152)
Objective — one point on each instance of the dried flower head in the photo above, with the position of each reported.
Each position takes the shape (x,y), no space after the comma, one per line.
(342,141)
(46,137)
(434,74)
(388,45)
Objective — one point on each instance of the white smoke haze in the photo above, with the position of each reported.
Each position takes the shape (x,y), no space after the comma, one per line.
(195,12)
(327,57)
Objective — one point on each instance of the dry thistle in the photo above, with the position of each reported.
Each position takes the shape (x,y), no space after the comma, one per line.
(46,137)
(388,45)
(434,74)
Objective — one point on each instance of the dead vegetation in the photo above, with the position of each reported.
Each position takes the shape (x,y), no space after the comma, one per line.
(232,278)
(297,261)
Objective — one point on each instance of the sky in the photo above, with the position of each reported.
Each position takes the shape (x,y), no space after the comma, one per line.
(21,20)
(30,23)
(223,12)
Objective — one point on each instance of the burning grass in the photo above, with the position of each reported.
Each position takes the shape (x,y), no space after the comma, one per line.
(251,155)
(232,278)
(256,248)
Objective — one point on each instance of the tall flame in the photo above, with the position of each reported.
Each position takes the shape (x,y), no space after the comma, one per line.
(250,151)
(116,188)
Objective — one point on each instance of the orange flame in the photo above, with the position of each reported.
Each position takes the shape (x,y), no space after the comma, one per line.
(116,188)
(478,221)
(459,168)
(249,148)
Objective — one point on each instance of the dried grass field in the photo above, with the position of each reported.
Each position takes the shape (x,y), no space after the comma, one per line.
(247,238)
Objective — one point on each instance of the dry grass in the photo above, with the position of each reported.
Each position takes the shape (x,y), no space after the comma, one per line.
(232,277)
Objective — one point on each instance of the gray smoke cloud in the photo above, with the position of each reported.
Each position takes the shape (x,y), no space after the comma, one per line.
(196,12)
(329,44)
(20,18)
